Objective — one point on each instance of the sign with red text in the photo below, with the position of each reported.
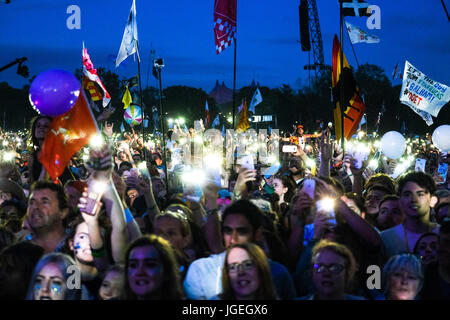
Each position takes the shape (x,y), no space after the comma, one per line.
(422,94)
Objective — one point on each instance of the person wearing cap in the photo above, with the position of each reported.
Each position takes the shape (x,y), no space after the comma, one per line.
(9,190)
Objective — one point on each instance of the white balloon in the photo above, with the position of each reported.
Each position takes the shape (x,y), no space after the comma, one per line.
(393,144)
(441,138)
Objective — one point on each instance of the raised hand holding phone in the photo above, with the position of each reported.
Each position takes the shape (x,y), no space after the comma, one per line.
(325,206)
(90,201)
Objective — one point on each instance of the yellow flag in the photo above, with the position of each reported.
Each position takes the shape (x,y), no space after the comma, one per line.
(243,123)
(126,99)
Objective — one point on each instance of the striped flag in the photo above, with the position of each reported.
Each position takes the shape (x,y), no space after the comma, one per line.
(353,104)
(207,117)
(244,122)
(91,78)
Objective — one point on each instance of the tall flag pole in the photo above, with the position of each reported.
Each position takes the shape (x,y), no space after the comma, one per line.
(234,83)
(129,46)
(357,8)
(341,60)
(141,98)
(351,43)
(225,14)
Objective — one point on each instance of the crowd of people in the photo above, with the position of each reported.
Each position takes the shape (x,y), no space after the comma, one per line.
(317,224)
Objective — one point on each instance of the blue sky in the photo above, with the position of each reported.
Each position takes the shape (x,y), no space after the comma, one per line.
(181,32)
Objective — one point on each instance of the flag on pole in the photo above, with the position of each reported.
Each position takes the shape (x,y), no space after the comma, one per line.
(241,106)
(403,128)
(130,37)
(395,72)
(257,99)
(354,106)
(224,23)
(216,121)
(92,89)
(132,82)
(358,35)
(363,121)
(126,99)
(91,77)
(356,8)
(244,122)
(67,134)
(207,117)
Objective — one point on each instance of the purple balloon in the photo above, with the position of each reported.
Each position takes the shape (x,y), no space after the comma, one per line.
(54,92)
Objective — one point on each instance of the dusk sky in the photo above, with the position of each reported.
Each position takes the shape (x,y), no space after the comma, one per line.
(181,32)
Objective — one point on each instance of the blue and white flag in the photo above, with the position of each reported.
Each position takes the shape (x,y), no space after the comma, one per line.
(358,35)
(130,38)
(363,121)
(257,99)
(423,95)
(241,106)
(216,121)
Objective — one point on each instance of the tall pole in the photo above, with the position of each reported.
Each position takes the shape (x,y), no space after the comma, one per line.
(341,76)
(142,101)
(234,83)
(353,49)
(163,129)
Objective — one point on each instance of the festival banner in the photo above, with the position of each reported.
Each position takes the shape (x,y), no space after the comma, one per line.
(421,93)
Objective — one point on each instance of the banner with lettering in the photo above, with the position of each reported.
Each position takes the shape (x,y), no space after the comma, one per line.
(422,94)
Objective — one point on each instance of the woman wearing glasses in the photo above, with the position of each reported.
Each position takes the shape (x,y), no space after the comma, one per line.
(333,271)
(246,275)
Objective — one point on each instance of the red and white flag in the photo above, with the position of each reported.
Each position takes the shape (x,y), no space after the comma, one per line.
(91,77)
(224,23)
(207,116)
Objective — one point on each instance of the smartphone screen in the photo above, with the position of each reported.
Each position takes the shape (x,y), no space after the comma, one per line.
(95,193)
(309,186)
(247,162)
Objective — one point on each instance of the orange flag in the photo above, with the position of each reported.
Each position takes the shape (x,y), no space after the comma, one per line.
(68,133)
(354,106)
(243,123)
